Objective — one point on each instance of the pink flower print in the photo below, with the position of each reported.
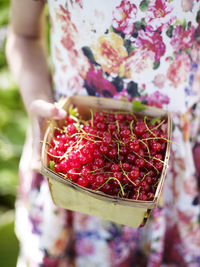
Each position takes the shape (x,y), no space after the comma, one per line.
(152,41)
(139,60)
(195,52)
(159,14)
(69,29)
(157,99)
(128,234)
(97,84)
(75,83)
(179,69)
(78,2)
(60,243)
(182,39)
(85,247)
(50,261)
(124,17)
(159,80)
(67,42)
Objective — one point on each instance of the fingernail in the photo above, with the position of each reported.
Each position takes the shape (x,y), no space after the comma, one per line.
(62,113)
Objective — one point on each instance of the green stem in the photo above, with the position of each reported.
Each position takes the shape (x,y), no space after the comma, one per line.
(117,122)
(112,178)
(146,161)
(144,176)
(126,174)
(138,193)
(156,127)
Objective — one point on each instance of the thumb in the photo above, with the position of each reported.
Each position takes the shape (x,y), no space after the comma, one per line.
(41,108)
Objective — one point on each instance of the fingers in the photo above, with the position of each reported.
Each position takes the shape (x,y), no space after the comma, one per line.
(41,108)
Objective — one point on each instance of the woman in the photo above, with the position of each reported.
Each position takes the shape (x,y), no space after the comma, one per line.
(122,49)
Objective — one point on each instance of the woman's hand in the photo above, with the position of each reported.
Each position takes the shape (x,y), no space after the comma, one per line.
(39,111)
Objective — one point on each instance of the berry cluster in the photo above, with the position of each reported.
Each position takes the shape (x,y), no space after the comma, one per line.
(118,153)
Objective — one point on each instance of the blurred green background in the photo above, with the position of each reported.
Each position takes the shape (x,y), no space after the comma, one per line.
(13,123)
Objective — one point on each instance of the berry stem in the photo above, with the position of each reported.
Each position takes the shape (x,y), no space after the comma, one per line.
(112,178)
(117,122)
(144,176)
(146,161)
(126,174)
(141,140)
(138,192)
(156,183)
(158,126)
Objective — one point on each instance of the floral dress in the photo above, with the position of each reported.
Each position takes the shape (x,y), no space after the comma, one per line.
(143,49)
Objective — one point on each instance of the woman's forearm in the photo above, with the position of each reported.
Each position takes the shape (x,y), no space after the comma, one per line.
(26,51)
(28,62)
(27,58)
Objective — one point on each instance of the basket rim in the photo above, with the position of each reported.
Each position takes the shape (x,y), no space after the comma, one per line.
(127,107)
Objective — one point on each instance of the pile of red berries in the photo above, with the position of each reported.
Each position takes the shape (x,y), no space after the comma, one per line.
(118,153)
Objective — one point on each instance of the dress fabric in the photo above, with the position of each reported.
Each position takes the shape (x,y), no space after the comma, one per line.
(142,49)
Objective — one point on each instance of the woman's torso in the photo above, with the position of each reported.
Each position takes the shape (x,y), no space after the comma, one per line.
(127,49)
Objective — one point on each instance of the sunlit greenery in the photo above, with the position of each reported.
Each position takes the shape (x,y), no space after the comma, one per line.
(13,122)
(13,125)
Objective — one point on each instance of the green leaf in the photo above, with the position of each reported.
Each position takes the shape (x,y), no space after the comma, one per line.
(144,5)
(154,120)
(132,89)
(169,32)
(198,16)
(138,106)
(184,24)
(51,165)
(73,111)
(187,51)
(88,53)
(129,46)
(177,22)
(118,83)
(111,29)
(156,64)
(139,25)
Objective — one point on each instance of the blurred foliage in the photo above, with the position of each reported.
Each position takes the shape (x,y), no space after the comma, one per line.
(13,122)
(8,241)
(4,12)
(13,119)
(12,134)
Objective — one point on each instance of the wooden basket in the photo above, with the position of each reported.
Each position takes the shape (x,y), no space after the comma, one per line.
(71,196)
